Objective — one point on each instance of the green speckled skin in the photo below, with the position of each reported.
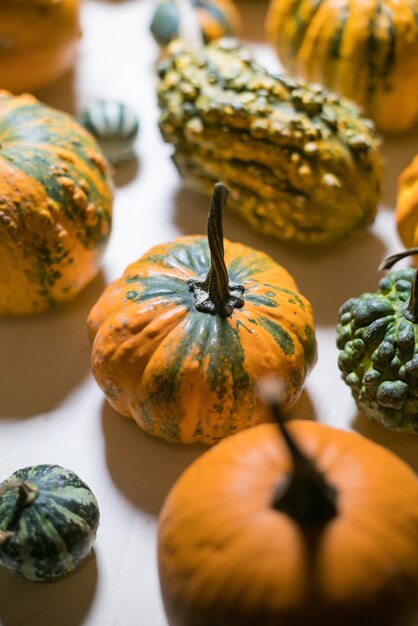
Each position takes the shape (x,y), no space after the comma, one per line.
(53,534)
(55,206)
(379,353)
(187,375)
(302,164)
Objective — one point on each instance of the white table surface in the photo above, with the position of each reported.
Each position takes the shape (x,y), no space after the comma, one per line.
(51,410)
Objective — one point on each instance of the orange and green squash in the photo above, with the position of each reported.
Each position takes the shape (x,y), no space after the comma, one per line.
(407,205)
(55,206)
(180,338)
(38,42)
(215,19)
(366,50)
(251,535)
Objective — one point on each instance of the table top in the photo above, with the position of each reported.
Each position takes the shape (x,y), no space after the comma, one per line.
(51,410)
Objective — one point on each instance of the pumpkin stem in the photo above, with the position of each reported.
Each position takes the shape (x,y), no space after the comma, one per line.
(411,309)
(216,295)
(26,492)
(304,495)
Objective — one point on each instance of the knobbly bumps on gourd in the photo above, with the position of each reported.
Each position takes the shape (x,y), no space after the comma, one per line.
(377,338)
(290,152)
(55,207)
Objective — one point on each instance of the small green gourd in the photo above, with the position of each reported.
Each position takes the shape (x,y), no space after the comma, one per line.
(48,522)
(115,126)
(377,336)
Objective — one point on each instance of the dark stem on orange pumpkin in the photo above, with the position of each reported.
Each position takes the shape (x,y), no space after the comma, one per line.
(216,295)
(411,309)
(305,495)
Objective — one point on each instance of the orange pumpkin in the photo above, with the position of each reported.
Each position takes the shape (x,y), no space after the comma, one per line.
(38,42)
(249,537)
(55,206)
(179,352)
(407,205)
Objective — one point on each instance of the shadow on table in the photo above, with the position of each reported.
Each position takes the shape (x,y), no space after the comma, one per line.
(44,357)
(397,152)
(325,276)
(124,173)
(64,602)
(62,94)
(303,409)
(405,445)
(143,467)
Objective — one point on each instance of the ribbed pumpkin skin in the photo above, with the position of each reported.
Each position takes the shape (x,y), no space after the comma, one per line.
(189,376)
(366,50)
(56,532)
(228,558)
(55,206)
(38,42)
(407,205)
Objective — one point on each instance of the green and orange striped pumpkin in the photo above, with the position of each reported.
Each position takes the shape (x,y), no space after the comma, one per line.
(179,349)
(366,50)
(55,206)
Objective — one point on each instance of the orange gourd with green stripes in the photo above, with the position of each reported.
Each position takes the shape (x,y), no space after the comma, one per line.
(366,50)
(181,337)
(55,206)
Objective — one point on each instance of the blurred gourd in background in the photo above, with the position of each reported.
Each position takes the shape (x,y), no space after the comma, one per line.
(38,42)
(216,19)
(366,50)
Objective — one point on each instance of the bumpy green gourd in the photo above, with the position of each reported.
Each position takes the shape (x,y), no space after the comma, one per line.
(302,164)
(378,340)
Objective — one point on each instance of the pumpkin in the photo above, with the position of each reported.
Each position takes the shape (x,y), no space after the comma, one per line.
(215,18)
(307,526)
(291,153)
(55,206)
(115,126)
(38,42)
(48,522)
(366,50)
(407,205)
(378,358)
(180,338)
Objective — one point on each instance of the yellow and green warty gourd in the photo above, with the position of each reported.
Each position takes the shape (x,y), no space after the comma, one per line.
(366,50)
(302,164)
(55,206)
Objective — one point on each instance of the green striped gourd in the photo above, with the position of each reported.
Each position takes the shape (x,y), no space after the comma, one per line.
(115,126)
(48,522)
